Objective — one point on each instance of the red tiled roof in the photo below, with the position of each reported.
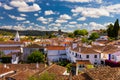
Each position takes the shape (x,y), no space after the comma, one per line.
(34,46)
(56,69)
(11,42)
(55,48)
(83,62)
(10,48)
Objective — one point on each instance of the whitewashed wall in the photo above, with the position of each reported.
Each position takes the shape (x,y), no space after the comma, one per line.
(54,55)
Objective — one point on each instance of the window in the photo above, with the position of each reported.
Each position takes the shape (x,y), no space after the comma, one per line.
(112,56)
(76,55)
(69,51)
(87,56)
(80,56)
(72,53)
(95,56)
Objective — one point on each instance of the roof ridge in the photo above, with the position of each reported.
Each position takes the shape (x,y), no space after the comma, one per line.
(47,69)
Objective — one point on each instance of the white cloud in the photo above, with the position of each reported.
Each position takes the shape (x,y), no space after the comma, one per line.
(23,15)
(16,18)
(65,16)
(82,1)
(75,14)
(81,19)
(41,19)
(1,17)
(97,12)
(61,21)
(49,19)
(34,7)
(5,6)
(49,12)
(113,8)
(26,22)
(30,0)
(45,22)
(99,1)
(91,12)
(0,4)
(47,4)
(70,26)
(18,3)
(73,22)
(55,24)
(35,14)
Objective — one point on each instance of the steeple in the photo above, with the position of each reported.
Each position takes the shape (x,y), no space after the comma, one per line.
(17,37)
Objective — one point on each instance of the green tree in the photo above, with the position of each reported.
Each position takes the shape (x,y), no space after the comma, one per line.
(44,76)
(116,29)
(1,54)
(71,35)
(94,36)
(69,67)
(113,30)
(110,30)
(84,40)
(35,57)
(82,32)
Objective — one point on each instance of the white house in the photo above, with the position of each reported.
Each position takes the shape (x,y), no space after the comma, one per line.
(112,53)
(56,53)
(83,53)
(29,49)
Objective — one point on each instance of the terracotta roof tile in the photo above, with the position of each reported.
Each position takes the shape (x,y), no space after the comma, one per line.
(55,48)
(10,48)
(34,46)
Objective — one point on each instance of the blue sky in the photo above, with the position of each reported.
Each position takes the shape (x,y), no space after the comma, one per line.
(67,15)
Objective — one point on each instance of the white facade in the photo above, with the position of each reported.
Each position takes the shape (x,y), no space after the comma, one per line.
(10,51)
(73,56)
(56,55)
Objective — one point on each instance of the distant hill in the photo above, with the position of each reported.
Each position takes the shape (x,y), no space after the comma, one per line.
(26,32)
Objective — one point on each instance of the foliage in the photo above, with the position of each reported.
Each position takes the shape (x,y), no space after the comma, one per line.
(111,39)
(116,28)
(110,30)
(84,40)
(69,67)
(71,35)
(82,32)
(112,63)
(90,66)
(35,57)
(63,63)
(4,33)
(6,59)
(94,36)
(52,36)
(44,76)
(113,30)
(1,53)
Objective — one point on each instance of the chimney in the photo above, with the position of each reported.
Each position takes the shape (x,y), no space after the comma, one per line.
(70,76)
(77,68)
(74,45)
(5,66)
(79,49)
(37,65)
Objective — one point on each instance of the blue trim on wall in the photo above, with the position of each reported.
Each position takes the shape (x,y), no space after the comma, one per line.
(109,56)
